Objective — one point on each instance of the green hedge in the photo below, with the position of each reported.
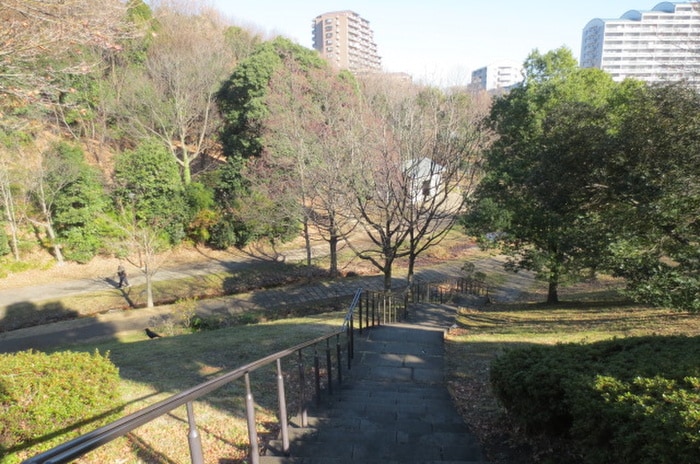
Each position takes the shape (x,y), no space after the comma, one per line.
(633,400)
(46,399)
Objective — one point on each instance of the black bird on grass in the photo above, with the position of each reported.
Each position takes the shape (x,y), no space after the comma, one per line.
(151,334)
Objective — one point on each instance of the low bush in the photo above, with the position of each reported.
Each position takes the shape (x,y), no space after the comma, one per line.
(45,398)
(633,400)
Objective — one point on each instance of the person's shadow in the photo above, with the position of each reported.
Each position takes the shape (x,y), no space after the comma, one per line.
(126,290)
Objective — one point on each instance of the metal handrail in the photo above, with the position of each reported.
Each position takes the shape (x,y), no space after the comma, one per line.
(83,444)
(379,307)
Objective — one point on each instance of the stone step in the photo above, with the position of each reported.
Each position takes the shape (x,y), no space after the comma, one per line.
(383,447)
(392,408)
(336,460)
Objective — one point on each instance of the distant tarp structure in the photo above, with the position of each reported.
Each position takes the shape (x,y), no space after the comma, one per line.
(425,178)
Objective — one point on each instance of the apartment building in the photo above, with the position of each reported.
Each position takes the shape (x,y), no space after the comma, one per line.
(500,75)
(657,45)
(345,39)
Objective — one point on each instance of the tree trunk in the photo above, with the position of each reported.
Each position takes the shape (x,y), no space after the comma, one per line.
(388,264)
(333,245)
(11,220)
(307,244)
(55,246)
(411,269)
(552,293)
(149,287)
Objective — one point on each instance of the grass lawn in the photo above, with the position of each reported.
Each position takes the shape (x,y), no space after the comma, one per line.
(152,370)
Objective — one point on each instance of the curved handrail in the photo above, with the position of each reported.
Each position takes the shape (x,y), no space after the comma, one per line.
(351,310)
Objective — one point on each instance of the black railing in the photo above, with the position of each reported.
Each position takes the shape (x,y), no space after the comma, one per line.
(80,446)
(446,291)
(367,309)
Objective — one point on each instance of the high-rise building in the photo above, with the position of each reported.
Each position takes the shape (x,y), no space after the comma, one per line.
(501,75)
(345,39)
(658,45)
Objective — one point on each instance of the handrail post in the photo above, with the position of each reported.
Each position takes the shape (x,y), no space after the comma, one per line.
(193,438)
(329,366)
(252,429)
(405,307)
(352,340)
(339,359)
(283,407)
(360,314)
(367,317)
(317,375)
(302,392)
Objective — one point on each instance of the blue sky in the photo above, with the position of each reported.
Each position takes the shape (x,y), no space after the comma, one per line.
(441,41)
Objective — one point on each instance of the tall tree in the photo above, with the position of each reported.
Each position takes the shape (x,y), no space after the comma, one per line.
(52,176)
(149,199)
(260,209)
(14,176)
(650,185)
(80,206)
(309,116)
(413,170)
(538,176)
(172,95)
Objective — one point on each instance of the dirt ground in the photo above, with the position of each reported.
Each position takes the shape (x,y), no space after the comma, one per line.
(47,271)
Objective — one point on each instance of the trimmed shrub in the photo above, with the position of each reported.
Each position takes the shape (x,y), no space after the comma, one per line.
(634,400)
(46,399)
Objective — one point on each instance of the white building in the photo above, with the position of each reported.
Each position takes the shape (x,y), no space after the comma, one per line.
(661,44)
(501,75)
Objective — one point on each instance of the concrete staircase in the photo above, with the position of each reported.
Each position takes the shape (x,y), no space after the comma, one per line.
(393,407)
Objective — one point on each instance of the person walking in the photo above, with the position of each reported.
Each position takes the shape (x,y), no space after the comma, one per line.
(123,280)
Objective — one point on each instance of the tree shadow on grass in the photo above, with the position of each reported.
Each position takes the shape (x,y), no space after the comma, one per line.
(176,363)
(28,314)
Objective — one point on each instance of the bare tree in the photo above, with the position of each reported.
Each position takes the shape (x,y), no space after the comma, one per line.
(43,39)
(304,139)
(172,96)
(12,172)
(414,170)
(142,245)
(446,139)
(51,175)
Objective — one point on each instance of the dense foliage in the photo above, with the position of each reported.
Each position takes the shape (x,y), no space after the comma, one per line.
(148,186)
(53,395)
(631,401)
(79,207)
(591,175)
(650,186)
